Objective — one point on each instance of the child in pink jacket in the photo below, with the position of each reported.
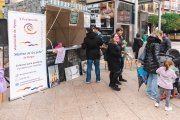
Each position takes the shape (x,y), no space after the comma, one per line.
(165,82)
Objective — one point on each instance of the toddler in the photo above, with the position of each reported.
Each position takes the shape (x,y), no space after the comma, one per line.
(165,82)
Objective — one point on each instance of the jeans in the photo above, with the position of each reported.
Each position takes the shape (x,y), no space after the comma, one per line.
(168,94)
(152,87)
(89,68)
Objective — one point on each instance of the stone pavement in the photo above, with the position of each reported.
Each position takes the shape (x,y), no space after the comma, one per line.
(75,100)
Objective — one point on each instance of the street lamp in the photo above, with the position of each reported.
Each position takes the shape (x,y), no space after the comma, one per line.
(136,18)
(159,14)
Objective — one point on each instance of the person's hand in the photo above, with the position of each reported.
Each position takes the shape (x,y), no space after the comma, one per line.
(123,46)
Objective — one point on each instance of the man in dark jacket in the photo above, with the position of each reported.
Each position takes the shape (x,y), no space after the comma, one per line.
(92,45)
(165,45)
(152,63)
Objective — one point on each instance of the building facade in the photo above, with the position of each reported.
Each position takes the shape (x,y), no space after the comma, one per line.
(2,2)
(168,6)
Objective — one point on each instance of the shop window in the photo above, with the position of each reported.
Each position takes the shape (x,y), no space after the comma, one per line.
(173,6)
(124,13)
(166,5)
(178,8)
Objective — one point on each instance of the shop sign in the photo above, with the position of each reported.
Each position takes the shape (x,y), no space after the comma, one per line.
(67,5)
(27,53)
(147,1)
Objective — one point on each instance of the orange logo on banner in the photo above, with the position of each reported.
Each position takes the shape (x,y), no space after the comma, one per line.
(28,28)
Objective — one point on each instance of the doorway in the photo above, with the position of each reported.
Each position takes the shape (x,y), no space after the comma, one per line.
(126,33)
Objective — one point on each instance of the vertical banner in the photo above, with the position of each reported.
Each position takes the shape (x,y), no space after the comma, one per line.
(98,20)
(107,18)
(86,20)
(27,53)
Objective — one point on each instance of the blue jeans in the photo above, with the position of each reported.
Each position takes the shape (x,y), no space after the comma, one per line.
(152,87)
(89,68)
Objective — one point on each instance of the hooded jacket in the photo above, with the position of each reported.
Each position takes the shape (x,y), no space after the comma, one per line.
(114,57)
(166,78)
(165,45)
(151,62)
(92,45)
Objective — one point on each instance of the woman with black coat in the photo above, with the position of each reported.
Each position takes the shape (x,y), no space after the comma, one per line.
(152,63)
(114,58)
(137,45)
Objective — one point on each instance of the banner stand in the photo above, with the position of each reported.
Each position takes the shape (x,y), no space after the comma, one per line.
(27,33)
(23,97)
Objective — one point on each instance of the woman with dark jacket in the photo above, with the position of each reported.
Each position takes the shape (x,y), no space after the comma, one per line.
(151,62)
(114,58)
(137,45)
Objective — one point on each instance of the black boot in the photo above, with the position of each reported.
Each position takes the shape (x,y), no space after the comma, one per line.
(115,88)
(112,85)
(119,83)
(121,79)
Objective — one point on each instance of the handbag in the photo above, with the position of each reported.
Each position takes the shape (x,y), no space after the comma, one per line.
(3,85)
(142,56)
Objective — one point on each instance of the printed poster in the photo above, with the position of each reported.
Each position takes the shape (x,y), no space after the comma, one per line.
(84,66)
(74,17)
(86,20)
(27,53)
(61,52)
(53,75)
(72,72)
(98,20)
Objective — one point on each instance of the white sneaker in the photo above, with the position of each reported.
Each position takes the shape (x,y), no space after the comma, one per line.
(152,98)
(156,104)
(87,82)
(98,81)
(168,108)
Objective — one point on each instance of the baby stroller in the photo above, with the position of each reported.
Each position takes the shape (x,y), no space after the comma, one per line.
(175,56)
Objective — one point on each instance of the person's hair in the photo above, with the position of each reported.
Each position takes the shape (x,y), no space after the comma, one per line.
(89,30)
(97,28)
(119,29)
(112,36)
(138,35)
(110,2)
(158,34)
(168,63)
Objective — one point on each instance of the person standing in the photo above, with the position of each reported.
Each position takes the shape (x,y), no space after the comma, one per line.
(114,62)
(152,62)
(119,32)
(92,45)
(165,82)
(137,45)
(165,45)
(144,37)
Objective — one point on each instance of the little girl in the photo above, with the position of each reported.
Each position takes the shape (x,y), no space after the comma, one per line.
(165,82)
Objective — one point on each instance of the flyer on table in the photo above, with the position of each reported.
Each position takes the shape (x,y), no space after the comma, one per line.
(27,53)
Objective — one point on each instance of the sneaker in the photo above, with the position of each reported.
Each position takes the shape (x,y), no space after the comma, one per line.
(168,108)
(98,81)
(123,80)
(156,104)
(152,98)
(87,82)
